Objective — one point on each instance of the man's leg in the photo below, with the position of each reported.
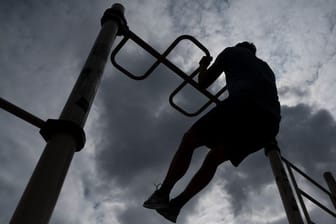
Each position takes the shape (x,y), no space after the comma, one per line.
(202,178)
(180,162)
(176,171)
(199,134)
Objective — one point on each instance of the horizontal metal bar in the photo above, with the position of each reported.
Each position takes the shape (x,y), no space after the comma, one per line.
(306,195)
(202,108)
(189,114)
(143,44)
(306,176)
(161,59)
(24,115)
(220,92)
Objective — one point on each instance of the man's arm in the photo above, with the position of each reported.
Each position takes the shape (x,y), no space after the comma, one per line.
(203,73)
(207,76)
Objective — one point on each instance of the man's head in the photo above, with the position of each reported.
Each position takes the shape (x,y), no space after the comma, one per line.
(248,45)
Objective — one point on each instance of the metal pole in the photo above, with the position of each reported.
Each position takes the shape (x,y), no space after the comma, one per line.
(332,186)
(286,193)
(41,194)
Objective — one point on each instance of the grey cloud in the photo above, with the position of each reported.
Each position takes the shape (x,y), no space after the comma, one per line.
(144,139)
(137,154)
(299,123)
(38,64)
(298,92)
(309,136)
(283,221)
(46,44)
(133,215)
(304,134)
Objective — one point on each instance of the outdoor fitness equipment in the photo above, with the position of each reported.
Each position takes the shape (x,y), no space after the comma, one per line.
(65,135)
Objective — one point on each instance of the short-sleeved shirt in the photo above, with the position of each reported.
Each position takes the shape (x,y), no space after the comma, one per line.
(248,76)
(249,118)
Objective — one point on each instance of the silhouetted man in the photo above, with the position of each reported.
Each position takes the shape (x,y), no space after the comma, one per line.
(240,125)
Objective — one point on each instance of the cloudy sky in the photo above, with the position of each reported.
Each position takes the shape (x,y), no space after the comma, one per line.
(132,132)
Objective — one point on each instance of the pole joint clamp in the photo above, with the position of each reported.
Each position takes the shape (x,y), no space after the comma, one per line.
(53,127)
(118,16)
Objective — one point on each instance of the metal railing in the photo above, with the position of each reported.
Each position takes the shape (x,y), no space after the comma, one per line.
(301,194)
(162,59)
(42,191)
(64,136)
(276,160)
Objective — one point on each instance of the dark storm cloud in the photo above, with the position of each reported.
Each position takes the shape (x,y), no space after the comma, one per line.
(145,132)
(309,136)
(43,46)
(137,132)
(140,158)
(306,138)
(141,143)
(40,45)
(141,131)
(145,135)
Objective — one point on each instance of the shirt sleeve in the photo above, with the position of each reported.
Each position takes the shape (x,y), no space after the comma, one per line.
(215,70)
(225,61)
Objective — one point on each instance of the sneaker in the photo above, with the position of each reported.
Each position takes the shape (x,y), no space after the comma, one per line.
(156,201)
(169,213)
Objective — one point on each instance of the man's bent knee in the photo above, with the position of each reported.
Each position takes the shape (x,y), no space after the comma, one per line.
(191,139)
(217,156)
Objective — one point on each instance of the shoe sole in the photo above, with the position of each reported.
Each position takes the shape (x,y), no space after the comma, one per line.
(167,216)
(155,205)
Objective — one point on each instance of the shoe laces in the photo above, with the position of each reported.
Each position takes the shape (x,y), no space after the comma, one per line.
(157,186)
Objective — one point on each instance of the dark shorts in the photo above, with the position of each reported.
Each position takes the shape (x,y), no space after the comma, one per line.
(237,126)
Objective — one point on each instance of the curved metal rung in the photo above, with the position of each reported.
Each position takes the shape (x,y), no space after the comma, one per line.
(194,40)
(189,114)
(130,35)
(119,67)
(162,58)
(214,99)
(180,109)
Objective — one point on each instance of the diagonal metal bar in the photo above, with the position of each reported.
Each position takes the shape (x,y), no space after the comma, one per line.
(307,177)
(19,112)
(306,195)
(162,59)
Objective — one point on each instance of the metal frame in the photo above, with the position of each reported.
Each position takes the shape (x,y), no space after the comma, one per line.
(272,151)
(302,194)
(41,193)
(162,58)
(19,112)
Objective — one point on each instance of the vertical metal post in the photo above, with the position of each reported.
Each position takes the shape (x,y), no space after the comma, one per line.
(332,186)
(282,181)
(40,196)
